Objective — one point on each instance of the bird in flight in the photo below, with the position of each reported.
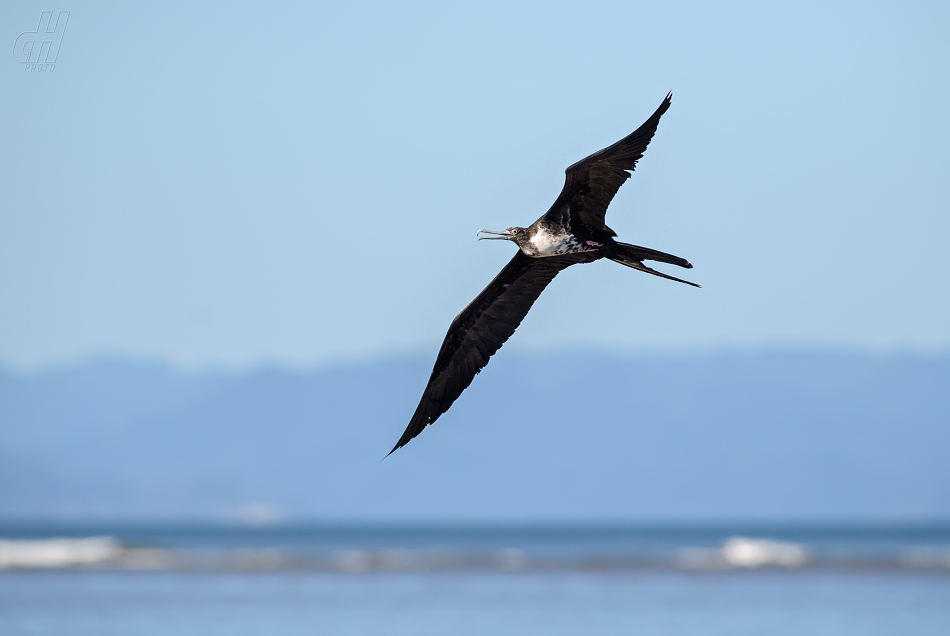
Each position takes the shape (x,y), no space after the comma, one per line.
(572,231)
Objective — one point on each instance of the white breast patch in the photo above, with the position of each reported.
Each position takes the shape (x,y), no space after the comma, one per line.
(548,244)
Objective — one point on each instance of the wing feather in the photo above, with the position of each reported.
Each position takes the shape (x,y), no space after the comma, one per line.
(591,183)
(481,329)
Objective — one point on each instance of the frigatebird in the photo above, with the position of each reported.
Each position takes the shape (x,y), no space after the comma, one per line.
(572,231)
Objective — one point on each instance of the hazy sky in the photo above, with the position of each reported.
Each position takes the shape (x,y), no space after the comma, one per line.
(301,184)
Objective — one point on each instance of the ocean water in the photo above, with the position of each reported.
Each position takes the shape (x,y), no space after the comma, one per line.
(291,603)
(486,580)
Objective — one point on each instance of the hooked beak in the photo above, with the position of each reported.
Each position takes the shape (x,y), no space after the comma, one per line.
(502,236)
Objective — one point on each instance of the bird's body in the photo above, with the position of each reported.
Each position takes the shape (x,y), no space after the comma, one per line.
(553,240)
(572,231)
(550,238)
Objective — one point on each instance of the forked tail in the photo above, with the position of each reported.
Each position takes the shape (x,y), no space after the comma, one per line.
(634,255)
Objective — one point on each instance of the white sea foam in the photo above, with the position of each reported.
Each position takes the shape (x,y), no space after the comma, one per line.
(57,553)
(743,552)
(752,553)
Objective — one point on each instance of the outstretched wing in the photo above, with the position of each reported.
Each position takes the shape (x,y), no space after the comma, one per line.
(480,330)
(592,183)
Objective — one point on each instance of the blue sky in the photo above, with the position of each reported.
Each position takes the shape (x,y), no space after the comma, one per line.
(231,186)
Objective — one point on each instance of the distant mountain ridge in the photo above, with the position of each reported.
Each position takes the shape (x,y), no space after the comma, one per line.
(751,436)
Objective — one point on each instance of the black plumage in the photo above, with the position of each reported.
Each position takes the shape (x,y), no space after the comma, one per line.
(573,231)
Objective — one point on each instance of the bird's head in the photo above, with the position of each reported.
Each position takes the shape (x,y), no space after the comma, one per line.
(517,234)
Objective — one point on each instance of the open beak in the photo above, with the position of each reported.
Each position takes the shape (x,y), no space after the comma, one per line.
(502,236)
